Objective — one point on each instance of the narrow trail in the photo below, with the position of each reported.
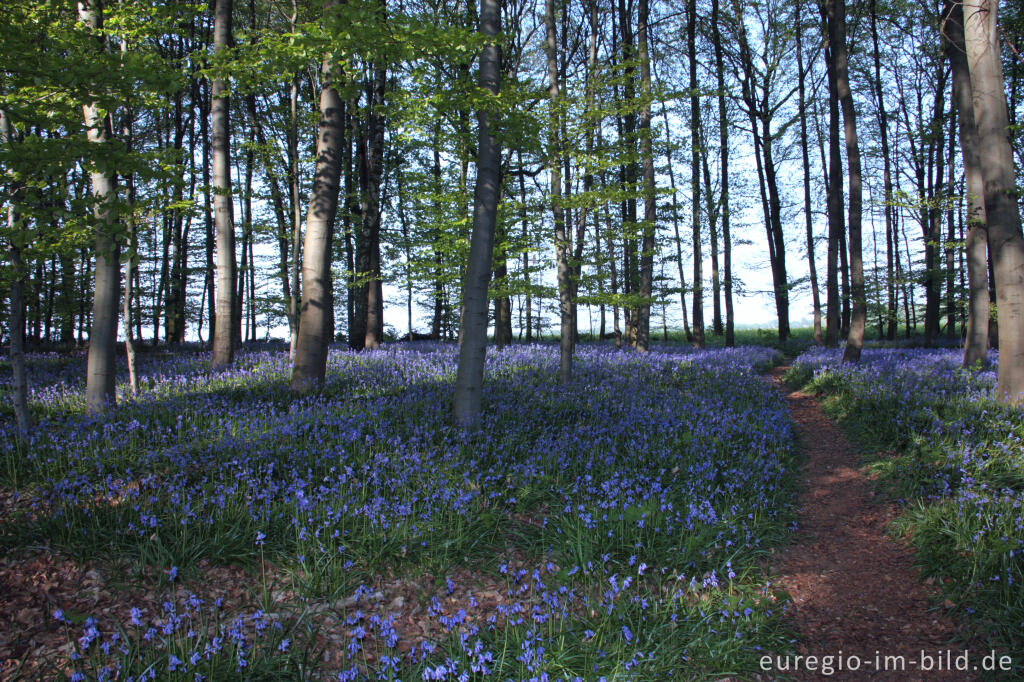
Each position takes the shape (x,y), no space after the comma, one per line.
(854,588)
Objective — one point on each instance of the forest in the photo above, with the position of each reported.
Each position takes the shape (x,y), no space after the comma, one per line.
(426,339)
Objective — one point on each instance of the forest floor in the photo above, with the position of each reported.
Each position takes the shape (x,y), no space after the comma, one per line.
(857,596)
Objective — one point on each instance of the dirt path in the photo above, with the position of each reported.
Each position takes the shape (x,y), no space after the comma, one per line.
(855,589)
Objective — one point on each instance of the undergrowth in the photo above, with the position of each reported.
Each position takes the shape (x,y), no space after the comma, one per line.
(953,457)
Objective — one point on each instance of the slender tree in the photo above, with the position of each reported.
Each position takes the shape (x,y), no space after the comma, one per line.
(834,181)
(976,345)
(647,173)
(316,312)
(223,205)
(723,144)
(557,207)
(470,374)
(840,65)
(695,152)
(805,157)
(16,292)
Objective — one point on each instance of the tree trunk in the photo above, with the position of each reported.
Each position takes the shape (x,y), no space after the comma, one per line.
(101,369)
(837,43)
(223,204)
(891,254)
(1001,211)
(16,294)
(835,202)
(557,208)
(470,374)
(315,323)
(695,150)
(805,157)
(723,141)
(976,344)
(372,210)
(647,165)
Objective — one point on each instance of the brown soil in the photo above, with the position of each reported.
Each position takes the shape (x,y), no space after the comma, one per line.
(854,588)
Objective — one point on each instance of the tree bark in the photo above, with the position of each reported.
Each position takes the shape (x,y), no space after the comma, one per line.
(372,210)
(723,141)
(647,240)
(223,203)
(891,253)
(1001,211)
(976,344)
(16,294)
(101,369)
(805,157)
(315,323)
(836,224)
(470,373)
(858,317)
(557,208)
(695,151)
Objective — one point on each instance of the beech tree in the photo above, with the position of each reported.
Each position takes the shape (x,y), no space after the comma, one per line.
(1002,214)
(841,80)
(473,350)
(223,203)
(317,317)
(976,343)
(101,370)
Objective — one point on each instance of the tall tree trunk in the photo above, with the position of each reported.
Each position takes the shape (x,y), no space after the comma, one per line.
(16,294)
(295,184)
(223,204)
(695,151)
(723,141)
(805,157)
(836,224)
(976,344)
(628,170)
(101,369)
(557,208)
(315,324)
(891,254)
(67,297)
(208,233)
(470,373)
(1001,211)
(526,252)
(687,333)
(132,262)
(647,165)
(372,210)
(837,44)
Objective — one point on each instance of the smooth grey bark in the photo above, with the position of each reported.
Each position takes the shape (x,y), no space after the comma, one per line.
(695,150)
(295,188)
(223,204)
(647,176)
(891,242)
(858,316)
(557,209)
(100,369)
(976,344)
(132,262)
(723,141)
(17,298)
(316,313)
(834,180)
(1002,213)
(472,353)
(805,157)
(372,209)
